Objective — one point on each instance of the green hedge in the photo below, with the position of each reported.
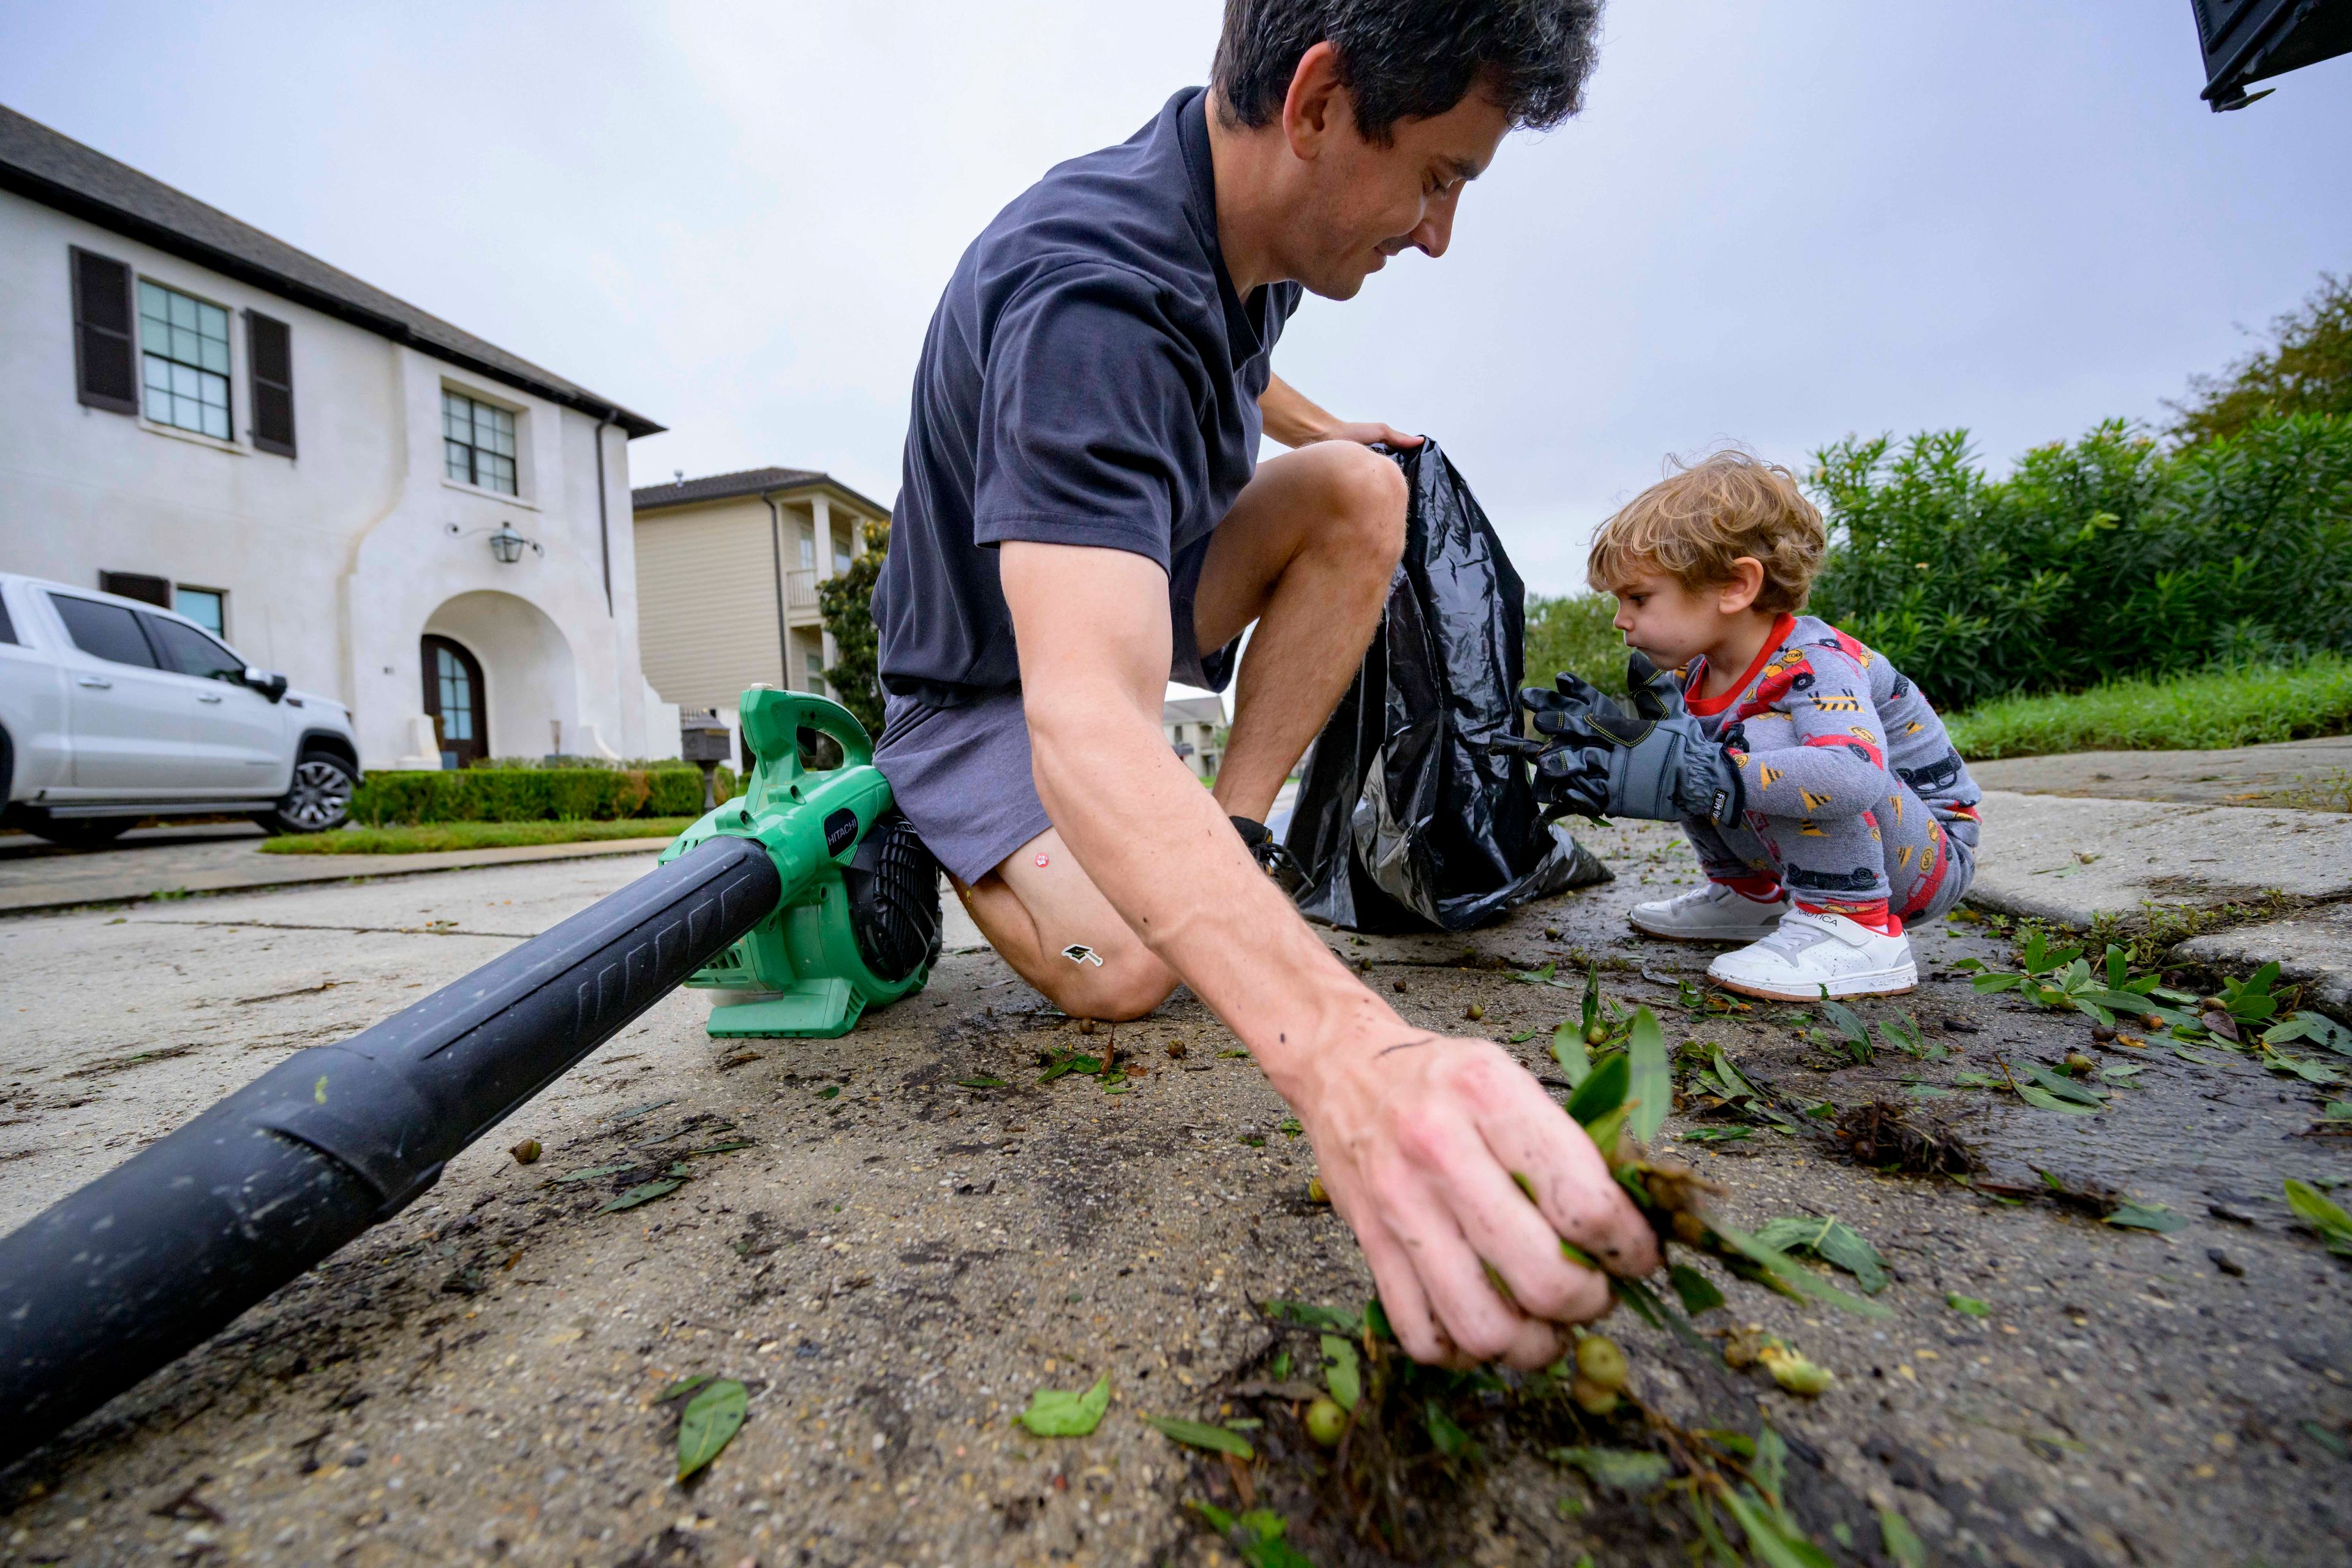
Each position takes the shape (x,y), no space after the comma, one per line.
(532,794)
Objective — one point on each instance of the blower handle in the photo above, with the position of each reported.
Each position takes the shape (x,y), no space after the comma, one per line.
(773,720)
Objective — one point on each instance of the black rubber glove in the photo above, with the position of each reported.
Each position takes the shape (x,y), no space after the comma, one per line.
(1655,762)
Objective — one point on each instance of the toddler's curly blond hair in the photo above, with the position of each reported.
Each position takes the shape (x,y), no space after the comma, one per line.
(1695,523)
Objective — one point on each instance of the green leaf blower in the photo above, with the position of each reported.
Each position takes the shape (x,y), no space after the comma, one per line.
(858,926)
(807,901)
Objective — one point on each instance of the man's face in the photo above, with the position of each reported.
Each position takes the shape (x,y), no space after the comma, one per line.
(1365,203)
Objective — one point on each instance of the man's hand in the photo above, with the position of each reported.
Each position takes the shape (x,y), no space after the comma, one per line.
(1422,1142)
(1294,421)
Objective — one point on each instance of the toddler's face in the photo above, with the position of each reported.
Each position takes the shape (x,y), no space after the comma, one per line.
(1665,620)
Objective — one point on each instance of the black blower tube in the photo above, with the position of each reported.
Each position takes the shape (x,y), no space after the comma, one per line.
(163,1251)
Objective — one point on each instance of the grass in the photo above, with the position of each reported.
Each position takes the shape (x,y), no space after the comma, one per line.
(434,837)
(2202,711)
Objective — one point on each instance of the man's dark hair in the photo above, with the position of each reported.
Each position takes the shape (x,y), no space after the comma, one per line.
(1411,58)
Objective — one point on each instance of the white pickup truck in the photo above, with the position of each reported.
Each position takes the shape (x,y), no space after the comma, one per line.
(113,710)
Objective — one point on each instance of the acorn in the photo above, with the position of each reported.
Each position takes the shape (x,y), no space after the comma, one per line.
(1473,1012)
(1590,1397)
(1689,1229)
(1326,1422)
(2101,1033)
(2080,1065)
(1399,984)
(1601,1362)
(1086,1025)
(1176,1050)
(1551,934)
(1315,1193)
(1596,1034)
(525,1151)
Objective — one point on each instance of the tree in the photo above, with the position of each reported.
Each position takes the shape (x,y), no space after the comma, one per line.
(847,600)
(2307,371)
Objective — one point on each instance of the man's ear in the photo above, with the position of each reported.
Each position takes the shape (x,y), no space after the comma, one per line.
(1316,106)
(1747,582)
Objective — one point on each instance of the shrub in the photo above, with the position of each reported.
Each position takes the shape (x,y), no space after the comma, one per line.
(1573,633)
(532,794)
(848,604)
(2092,561)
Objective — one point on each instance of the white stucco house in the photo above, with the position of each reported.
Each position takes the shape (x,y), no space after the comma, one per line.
(385,507)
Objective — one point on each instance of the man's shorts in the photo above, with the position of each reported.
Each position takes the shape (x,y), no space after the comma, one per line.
(962,773)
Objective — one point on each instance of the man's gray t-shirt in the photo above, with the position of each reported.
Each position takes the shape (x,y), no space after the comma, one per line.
(1090,377)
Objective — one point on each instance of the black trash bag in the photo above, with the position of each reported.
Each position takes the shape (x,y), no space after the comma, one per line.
(1405,820)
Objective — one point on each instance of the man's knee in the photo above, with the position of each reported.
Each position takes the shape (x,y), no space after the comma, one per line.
(1115,993)
(1367,496)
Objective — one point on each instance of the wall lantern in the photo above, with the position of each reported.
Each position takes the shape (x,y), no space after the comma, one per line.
(505,543)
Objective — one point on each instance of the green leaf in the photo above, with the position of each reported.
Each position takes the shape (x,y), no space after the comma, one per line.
(1764,1539)
(1651,1081)
(711,1420)
(1902,1544)
(2334,1225)
(592,1172)
(1602,1092)
(643,1193)
(1733,1079)
(1620,1469)
(1771,1468)
(1219,1520)
(1832,1241)
(1342,1372)
(1064,1413)
(1844,1020)
(1967,1304)
(1307,1315)
(2316,1028)
(683,1386)
(2043,1099)
(1795,1275)
(1199,1434)
(1568,1050)
(1698,1292)
(1718,1134)
(2062,1086)
(1263,1523)
(637,1111)
(1591,1011)
(1449,1438)
(1604,1132)
(981,1080)
(2147,1217)
(733,1145)
(1522,1037)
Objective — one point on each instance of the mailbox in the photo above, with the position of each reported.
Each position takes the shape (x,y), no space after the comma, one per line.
(704,741)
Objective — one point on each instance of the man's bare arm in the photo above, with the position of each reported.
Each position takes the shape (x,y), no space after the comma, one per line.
(1417,1146)
(1294,421)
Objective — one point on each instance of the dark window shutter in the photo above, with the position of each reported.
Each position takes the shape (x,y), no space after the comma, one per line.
(139,585)
(269,355)
(102,356)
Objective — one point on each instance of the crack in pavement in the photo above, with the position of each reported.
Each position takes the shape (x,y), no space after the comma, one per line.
(359,931)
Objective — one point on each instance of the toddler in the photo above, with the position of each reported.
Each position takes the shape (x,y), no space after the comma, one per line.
(1825,802)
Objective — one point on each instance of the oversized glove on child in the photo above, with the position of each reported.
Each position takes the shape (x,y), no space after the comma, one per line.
(1655,762)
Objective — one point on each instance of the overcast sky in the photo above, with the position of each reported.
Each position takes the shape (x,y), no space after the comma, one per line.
(1776,225)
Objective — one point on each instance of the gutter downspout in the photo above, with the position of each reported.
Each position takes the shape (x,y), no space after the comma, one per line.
(776,553)
(603,517)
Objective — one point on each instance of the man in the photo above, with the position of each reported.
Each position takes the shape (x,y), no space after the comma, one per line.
(1083,520)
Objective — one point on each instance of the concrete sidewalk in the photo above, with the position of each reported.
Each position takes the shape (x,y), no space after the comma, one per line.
(2242,775)
(34,875)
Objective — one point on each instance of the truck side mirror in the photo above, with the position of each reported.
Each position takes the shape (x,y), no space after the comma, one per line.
(269,683)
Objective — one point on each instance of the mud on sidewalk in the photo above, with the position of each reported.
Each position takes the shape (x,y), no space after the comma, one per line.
(892,1240)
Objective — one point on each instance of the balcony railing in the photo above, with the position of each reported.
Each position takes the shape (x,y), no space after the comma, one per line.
(799,589)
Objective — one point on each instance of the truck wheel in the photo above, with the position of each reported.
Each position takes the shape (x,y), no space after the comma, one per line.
(78,832)
(319,799)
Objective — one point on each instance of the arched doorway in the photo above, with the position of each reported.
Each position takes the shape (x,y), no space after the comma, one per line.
(454,701)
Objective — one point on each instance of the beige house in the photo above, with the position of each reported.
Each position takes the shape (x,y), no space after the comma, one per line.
(1194,725)
(727,574)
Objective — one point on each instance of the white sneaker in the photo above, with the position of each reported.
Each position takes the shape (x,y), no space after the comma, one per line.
(1811,951)
(1711,912)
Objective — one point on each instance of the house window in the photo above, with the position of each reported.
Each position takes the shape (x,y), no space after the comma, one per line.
(840,550)
(457,683)
(808,550)
(206,607)
(477,443)
(183,344)
(816,673)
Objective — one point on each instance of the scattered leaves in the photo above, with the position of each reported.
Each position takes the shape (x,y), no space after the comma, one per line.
(1199,1434)
(1066,1412)
(711,1420)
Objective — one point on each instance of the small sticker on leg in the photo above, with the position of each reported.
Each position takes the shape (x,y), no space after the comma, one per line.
(1043,859)
(1079,953)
